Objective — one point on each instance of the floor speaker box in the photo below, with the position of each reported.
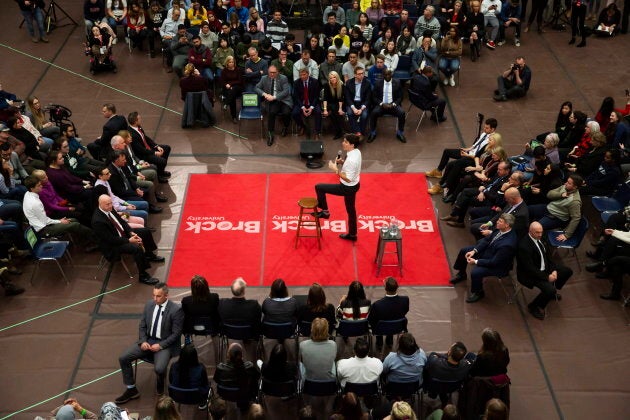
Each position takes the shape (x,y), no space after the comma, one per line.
(312,149)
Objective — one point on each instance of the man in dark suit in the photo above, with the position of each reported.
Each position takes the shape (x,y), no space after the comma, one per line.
(114,124)
(515,206)
(534,268)
(388,308)
(491,256)
(148,150)
(159,337)
(423,96)
(306,103)
(122,181)
(238,310)
(275,90)
(115,237)
(357,100)
(387,98)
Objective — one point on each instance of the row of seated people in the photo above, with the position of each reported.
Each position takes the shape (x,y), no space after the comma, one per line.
(164,321)
(510,208)
(57,192)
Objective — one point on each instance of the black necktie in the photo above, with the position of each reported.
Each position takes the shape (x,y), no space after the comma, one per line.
(125,180)
(541,248)
(119,229)
(273,86)
(156,322)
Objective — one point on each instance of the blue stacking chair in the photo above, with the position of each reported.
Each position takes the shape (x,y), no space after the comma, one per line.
(250,110)
(573,242)
(46,251)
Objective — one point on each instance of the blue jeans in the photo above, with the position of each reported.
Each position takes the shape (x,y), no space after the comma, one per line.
(358,126)
(449,66)
(38,15)
(207,74)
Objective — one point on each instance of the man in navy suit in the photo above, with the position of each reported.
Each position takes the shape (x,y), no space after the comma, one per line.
(357,100)
(389,308)
(387,98)
(423,96)
(536,269)
(275,91)
(491,256)
(306,103)
(159,337)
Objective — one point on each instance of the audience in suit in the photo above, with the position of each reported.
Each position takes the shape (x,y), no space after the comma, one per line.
(148,150)
(306,94)
(387,97)
(275,90)
(389,308)
(238,310)
(357,101)
(423,95)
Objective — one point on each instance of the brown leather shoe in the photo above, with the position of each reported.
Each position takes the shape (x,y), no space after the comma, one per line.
(434,173)
(449,218)
(435,190)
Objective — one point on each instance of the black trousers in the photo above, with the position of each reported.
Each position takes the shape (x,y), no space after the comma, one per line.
(274,109)
(538,7)
(396,111)
(548,289)
(349,198)
(160,161)
(578,14)
(231,95)
(448,154)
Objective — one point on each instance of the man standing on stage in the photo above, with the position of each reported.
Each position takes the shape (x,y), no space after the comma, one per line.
(349,175)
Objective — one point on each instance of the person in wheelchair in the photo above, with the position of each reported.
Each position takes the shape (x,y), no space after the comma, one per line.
(99,48)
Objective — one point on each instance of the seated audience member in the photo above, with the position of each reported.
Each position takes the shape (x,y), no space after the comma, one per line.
(115,123)
(169,31)
(283,64)
(255,69)
(401,410)
(166,408)
(330,29)
(608,21)
(135,221)
(318,53)
(450,55)
(32,146)
(38,118)
(349,407)
(179,48)
(331,64)
(514,82)
(332,102)
(381,43)
(83,167)
(294,50)
(305,63)
(277,368)
(450,366)
(201,56)
(546,178)
(44,225)
(201,303)
(586,164)
(188,373)
(94,14)
(496,410)
(349,67)
(254,16)
(209,38)
(604,179)
(267,51)
(536,269)
(196,14)
(493,357)
(71,408)
(449,412)
(56,207)
(238,373)
(514,205)
(275,90)
(491,256)
(231,80)
(387,99)
(614,265)
(425,97)
(366,57)
(156,16)
(357,101)
(277,29)
(510,15)
(193,81)
(482,196)
(13,161)
(19,148)
(67,185)
(241,12)
(137,26)
(585,144)
(375,72)
(564,209)
(238,310)
(159,337)
(360,369)
(316,306)
(375,12)
(116,237)
(147,149)
(576,130)
(427,22)
(388,308)
(404,22)
(406,364)
(74,142)
(317,355)
(306,94)
(116,13)
(338,11)
(491,10)
(279,307)
(8,188)
(354,305)
(222,52)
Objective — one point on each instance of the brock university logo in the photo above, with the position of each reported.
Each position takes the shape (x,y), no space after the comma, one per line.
(285,224)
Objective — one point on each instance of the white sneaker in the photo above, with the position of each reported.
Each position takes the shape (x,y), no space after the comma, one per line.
(517,42)
(451,81)
(499,43)
(445,81)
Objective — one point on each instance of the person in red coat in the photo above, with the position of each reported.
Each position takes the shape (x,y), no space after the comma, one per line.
(201,57)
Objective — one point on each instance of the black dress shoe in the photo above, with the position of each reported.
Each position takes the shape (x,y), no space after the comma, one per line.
(582,43)
(162,179)
(449,218)
(475,297)
(11,289)
(146,278)
(166,174)
(401,137)
(348,237)
(161,198)
(129,394)
(321,214)
(610,296)
(371,137)
(270,138)
(536,312)
(500,98)
(459,277)
(154,209)
(592,255)
(153,257)
(594,267)
(449,199)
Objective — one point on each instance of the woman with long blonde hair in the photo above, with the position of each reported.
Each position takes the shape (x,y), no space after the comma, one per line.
(332,103)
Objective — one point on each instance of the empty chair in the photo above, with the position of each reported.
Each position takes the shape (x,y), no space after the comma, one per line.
(46,251)
(198,108)
(250,110)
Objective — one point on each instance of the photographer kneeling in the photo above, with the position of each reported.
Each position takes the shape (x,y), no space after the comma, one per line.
(514,82)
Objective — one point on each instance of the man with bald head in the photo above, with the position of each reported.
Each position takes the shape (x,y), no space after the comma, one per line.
(534,268)
(238,310)
(515,206)
(116,237)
